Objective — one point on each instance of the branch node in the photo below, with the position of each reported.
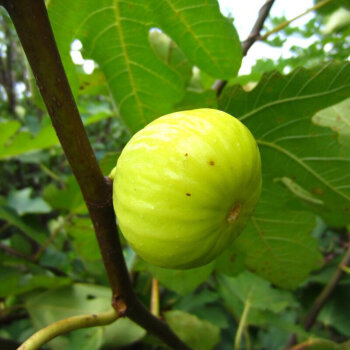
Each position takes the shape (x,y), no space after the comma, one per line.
(119,305)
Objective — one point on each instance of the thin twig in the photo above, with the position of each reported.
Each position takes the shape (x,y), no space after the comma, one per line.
(50,173)
(55,329)
(4,227)
(10,251)
(286,23)
(326,292)
(252,38)
(8,319)
(323,297)
(52,237)
(34,30)
(242,324)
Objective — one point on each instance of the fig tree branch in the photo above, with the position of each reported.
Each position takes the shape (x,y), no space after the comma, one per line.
(252,38)
(34,30)
(255,32)
(258,25)
(32,24)
(286,23)
(66,325)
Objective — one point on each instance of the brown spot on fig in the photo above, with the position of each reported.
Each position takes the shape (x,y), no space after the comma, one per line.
(233,215)
(188,194)
(186,154)
(212,162)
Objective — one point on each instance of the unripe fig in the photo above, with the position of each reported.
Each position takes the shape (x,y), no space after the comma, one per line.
(185,186)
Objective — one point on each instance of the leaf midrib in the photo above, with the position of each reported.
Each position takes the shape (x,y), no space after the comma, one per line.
(126,55)
(189,30)
(291,99)
(302,164)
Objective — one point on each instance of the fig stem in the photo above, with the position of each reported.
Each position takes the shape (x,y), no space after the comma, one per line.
(155,297)
(242,324)
(66,325)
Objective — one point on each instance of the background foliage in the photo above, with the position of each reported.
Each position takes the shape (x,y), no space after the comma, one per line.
(153,58)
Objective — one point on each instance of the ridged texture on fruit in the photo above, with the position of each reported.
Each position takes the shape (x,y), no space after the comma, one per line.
(185,187)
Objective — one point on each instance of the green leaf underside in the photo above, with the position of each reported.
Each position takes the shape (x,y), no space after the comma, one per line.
(10,215)
(207,38)
(336,117)
(69,198)
(181,281)
(267,305)
(332,314)
(85,242)
(14,282)
(23,202)
(279,113)
(115,34)
(197,333)
(248,287)
(171,54)
(13,143)
(276,243)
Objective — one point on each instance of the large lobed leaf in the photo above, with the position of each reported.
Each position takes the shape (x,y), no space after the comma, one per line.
(249,288)
(115,34)
(207,38)
(303,167)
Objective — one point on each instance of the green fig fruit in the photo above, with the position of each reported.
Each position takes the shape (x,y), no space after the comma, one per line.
(185,186)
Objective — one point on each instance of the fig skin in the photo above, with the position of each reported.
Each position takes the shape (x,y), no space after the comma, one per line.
(185,187)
